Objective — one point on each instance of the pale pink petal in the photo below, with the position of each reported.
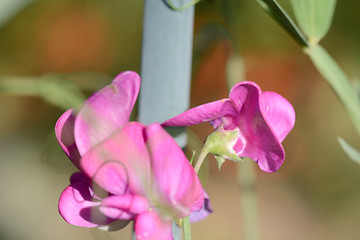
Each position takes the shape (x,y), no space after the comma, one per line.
(124,207)
(201,114)
(204,211)
(278,113)
(121,163)
(64,131)
(174,178)
(150,226)
(106,110)
(78,206)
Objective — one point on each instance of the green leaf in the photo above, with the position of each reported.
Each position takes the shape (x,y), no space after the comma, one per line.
(338,81)
(173,7)
(87,81)
(279,14)
(10,8)
(314,17)
(352,153)
(59,92)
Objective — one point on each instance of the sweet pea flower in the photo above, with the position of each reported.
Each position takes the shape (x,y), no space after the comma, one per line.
(144,176)
(262,119)
(128,172)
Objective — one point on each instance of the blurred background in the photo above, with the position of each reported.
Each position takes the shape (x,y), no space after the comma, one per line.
(83,44)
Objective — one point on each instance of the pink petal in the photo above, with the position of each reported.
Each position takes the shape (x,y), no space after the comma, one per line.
(150,226)
(64,131)
(174,177)
(256,139)
(106,110)
(121,163)
(78,206)
(203,113)
(124,206)
(278,113)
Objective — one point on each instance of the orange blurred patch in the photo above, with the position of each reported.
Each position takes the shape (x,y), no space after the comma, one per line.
(74,39)
(272,73)
(210,80)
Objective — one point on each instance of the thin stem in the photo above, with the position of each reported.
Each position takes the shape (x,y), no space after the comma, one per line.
(173,7)
(186,227)
(247,182)
(204,152)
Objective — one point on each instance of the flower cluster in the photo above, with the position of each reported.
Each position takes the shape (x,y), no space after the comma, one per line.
(132,172)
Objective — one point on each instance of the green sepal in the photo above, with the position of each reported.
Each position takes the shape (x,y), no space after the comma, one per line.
(221,143)
(220,161)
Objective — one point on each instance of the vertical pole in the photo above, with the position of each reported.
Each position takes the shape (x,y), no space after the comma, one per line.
(166,66)
(166,63)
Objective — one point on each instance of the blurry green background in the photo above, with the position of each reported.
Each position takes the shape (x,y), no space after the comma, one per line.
(314,195)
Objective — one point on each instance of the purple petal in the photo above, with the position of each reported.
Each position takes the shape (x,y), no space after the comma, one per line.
(121,163)
(256,140)
(203,113)
(78,206)
(124,206)
(278,113)
(204,211)
(174,177)
(106,110)
(64,131)
(150,226)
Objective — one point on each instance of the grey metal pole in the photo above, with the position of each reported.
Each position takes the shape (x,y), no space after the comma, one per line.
(166,66)
(166,63)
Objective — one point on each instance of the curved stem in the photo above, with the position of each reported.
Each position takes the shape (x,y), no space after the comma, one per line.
(200,159)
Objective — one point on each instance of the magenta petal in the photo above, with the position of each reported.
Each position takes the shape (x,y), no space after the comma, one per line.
(256,139)
(124,206)
(78,207)
(278,113)
(106,110)
(121,163)
(64,131)
(203,113)
(150,226)
(174,177)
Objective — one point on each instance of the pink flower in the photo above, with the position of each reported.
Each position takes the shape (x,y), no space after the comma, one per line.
(262,118)
(128,172)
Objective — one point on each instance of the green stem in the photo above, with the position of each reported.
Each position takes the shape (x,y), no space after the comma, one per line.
(247,182)
(173,7)
(186,227)
(338,81)
(204,152)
